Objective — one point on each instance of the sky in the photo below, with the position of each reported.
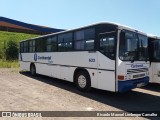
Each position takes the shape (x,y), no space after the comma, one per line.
(143,15)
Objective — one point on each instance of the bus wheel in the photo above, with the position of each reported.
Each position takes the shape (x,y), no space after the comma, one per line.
(83,81)
(33,70)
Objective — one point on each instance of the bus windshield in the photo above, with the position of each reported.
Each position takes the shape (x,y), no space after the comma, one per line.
(133,46)
(157,49)
(143,47)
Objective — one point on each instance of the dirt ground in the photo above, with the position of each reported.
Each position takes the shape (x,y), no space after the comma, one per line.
(21,92)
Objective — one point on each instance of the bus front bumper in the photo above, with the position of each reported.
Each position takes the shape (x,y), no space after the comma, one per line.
(127,85)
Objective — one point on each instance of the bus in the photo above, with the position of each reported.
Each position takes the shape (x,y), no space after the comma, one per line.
(154,58)
(106,56)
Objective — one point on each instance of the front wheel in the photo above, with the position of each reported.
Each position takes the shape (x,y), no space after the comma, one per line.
(33,69)
(83,81)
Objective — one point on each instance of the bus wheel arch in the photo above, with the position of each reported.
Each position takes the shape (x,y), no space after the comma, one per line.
(82,79)
(33,69)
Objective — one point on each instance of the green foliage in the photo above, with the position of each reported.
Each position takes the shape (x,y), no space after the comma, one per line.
(5,40)
(11,51)
(5,36)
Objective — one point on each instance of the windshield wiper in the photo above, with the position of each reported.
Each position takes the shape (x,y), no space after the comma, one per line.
(132,59)
(134,56)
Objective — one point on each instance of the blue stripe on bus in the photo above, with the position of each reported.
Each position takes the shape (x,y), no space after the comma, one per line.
(127,85)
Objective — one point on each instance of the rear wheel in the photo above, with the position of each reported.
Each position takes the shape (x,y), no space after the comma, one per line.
(83,81)
(33,69)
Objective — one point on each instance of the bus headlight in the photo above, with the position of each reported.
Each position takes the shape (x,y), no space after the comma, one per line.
(129,76)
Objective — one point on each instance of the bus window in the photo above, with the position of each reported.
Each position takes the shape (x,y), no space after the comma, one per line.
(51,44)
(41,45)
(107,45)
(30,46)
(128,46)
(26,46)
(33,46)
(65,42)
(84,39)
(143,47)
(89,45)
(157,49)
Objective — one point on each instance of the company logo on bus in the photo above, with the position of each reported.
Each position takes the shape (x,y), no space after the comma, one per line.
(136,65)
(35,57)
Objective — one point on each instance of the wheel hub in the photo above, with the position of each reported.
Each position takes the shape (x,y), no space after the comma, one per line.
(82,81)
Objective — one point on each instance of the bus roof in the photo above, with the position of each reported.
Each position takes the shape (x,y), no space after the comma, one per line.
(153,36)
(119,26)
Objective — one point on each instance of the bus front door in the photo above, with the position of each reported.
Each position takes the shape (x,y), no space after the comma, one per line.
(106,61)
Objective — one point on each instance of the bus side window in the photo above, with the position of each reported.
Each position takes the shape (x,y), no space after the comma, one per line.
(84,39)
(30,46)
(26,46)
(33,46)
(157,49)
(107,46)
(52,44)
(65,42)
(41,45)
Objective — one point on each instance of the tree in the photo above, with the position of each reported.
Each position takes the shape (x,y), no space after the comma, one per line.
(12,50)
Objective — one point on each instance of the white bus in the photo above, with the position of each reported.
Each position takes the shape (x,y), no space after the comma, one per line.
(106,56)
(154,58)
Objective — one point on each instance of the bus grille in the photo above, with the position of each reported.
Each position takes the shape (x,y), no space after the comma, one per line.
(139,75)
(130,71)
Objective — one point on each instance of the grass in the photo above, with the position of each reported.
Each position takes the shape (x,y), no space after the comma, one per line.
(9,64)
(5,36)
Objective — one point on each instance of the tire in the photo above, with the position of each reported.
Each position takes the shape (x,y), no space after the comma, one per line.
(33,70)
(83,81)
